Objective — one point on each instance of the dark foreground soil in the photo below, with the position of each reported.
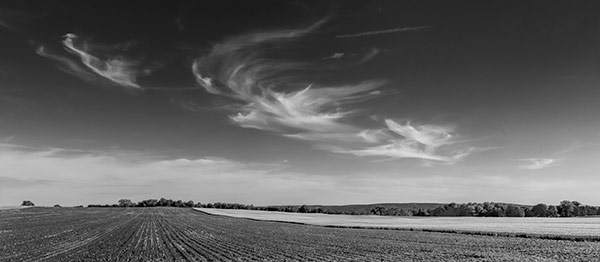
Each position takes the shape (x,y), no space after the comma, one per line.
(178,234)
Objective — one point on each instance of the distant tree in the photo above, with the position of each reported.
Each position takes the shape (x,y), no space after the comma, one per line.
(316,210)
(527,211)
(27,203)
(566,208)
(514,211)
(588,210)
(125,203)
(404,213)
(552,211)
(497,210)
(377,210)
(162,202)
(147,203)
(480,210)
(421,212)
(57,205)
(472,209)
(302,209)
(438,211)
(539,210)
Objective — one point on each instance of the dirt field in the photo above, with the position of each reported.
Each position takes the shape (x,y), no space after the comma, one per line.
(583,228)
(178,234)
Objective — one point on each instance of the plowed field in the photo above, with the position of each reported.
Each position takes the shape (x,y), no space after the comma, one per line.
(177,234)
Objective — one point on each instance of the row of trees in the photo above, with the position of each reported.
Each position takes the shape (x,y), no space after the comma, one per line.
(566,208)
(163,202)
(288,208)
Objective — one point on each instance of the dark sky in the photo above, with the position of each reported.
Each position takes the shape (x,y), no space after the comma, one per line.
(290,102)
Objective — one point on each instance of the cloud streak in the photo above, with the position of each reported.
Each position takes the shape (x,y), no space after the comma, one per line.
(408,141)
(272,97)
(388,31)
(67,65)
(235,69)
(113,69)
(537,163)
(336,55)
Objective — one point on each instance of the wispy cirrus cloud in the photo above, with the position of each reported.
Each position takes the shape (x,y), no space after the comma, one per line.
(235,69)
(272,97)
(388,31)
(67,65)
(408,141)
(353,59)
(336,55)
(537,163)
(112,69)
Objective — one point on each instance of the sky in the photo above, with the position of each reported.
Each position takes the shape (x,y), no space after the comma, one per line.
(299,102)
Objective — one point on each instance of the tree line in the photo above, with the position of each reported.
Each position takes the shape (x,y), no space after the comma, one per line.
(565,208)
(162,202)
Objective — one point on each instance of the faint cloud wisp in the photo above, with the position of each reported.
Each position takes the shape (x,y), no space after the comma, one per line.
(335,55)
(388,31)
(114,69)
(537,163)
(422,141)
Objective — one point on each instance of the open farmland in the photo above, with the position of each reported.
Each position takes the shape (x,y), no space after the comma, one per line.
(582,228)
(178,234)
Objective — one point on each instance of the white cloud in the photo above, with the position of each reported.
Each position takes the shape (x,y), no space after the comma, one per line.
(334,56)
(429,135)
(114,69)
(273,98)
(310,109)
(117,69)
(67,65)
(420,142)
(388,31)
(537,163)
(369,55)
(354,59)
(236,69)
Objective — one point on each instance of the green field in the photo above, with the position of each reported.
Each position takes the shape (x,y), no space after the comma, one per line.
(181,234)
